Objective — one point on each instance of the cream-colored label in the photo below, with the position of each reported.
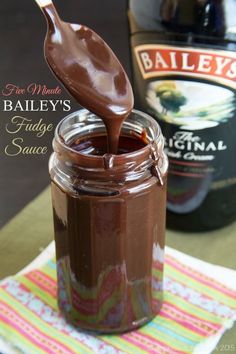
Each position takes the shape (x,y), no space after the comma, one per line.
(161,60)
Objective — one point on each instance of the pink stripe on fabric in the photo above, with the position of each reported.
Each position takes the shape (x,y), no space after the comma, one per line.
(199,277)
(150,343)
(203,296)
(51,290)
(47,276)
(185,323)
(141,346)
(31,339)
(192,318)
(158,265)
(29,328)
(44,276)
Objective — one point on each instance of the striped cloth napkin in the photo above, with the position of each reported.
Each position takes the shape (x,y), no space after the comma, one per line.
(199,305)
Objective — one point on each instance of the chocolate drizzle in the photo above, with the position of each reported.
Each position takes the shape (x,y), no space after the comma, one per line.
(90,71)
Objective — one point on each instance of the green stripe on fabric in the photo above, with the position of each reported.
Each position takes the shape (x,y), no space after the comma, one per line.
(179,329)
(175,344)
(11,335)
(43,326)
(176,275)
(122,344)
(39,292)
(49,271)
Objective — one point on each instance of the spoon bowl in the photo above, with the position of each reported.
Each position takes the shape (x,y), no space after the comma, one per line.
(89,70)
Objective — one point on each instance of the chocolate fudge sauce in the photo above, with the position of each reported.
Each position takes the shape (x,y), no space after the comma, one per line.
(90,71)
(109,205)
(109,224)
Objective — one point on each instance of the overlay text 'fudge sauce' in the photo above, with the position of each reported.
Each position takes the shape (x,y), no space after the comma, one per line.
(108,204)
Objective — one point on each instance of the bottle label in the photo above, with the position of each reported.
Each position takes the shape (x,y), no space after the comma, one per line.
(161,60)
(191,92)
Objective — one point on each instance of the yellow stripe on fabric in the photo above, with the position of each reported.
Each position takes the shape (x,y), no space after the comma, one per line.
(192,309)
(41,325)
(39,292)
(176,275)
(52,273)
(15,337)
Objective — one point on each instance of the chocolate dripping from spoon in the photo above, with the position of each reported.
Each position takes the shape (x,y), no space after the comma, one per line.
(90,71)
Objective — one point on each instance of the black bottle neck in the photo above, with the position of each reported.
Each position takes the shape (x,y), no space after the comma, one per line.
(201,18)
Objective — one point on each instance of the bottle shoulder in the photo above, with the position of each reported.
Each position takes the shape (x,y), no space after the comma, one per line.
(198,18)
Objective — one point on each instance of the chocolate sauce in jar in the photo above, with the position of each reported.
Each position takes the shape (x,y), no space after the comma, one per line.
(97,145)
(108,202)
(109,222)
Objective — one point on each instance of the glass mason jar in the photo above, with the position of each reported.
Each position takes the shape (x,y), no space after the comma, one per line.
(109,221)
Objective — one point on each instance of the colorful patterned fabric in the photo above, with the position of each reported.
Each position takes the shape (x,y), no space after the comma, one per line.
(196,307)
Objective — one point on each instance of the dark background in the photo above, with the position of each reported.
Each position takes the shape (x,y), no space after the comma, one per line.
(22,32)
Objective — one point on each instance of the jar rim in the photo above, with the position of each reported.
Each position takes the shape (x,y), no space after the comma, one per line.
(124,156)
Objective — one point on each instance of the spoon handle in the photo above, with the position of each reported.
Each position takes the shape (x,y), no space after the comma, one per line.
(43,3)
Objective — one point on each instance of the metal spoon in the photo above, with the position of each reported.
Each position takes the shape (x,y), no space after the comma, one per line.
(89,70)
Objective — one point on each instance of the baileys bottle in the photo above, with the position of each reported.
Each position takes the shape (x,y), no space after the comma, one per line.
(184,71)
